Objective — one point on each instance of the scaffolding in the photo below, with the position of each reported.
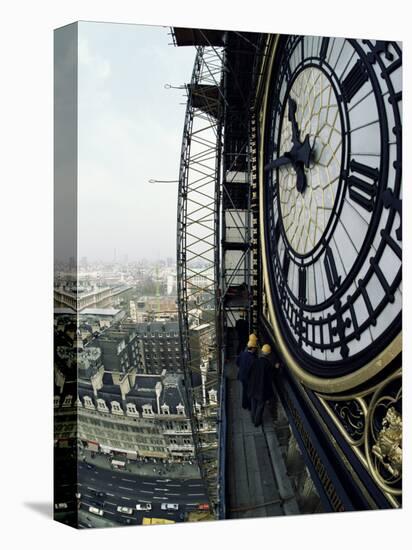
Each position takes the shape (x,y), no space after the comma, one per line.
(236,238)
(214,227)
(198,254)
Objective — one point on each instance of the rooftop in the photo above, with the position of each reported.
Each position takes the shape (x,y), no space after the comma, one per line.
(100,311)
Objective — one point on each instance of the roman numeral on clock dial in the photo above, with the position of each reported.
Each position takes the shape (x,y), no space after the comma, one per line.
(324,48)
(285,266)
(361,191)
(302,285)
(330,269)
(354,81)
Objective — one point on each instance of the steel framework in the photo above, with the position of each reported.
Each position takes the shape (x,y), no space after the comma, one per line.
(198,251)
(214,238)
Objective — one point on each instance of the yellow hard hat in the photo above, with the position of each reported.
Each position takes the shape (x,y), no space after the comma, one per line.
(252,344)
(266,349)
(253,337)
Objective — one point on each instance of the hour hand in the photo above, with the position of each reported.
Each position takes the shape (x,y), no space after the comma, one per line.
(280,161)
(300,178)
(292,119)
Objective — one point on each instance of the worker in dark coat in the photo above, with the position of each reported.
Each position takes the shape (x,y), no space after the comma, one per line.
(242,329)
(261,383)
(245,362)
(254,338)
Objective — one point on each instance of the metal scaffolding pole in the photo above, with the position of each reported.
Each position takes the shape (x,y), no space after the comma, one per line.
(198,255)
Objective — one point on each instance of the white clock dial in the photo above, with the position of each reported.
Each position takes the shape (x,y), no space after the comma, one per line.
(306,215)
(333,189)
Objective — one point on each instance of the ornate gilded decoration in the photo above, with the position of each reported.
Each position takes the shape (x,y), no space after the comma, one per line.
(388,447)
(383,436)
(352,417)
(371,422)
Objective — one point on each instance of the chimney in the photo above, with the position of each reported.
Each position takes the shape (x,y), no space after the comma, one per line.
(158,389)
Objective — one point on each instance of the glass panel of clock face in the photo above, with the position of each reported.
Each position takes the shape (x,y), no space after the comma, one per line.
(333,197)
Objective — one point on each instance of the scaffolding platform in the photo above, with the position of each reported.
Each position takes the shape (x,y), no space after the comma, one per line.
(257,480)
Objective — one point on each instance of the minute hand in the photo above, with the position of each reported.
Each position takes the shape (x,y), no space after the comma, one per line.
(292,120)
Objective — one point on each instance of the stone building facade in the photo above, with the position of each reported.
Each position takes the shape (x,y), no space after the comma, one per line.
(134,416)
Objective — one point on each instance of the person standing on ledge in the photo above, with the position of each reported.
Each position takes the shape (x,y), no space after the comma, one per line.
(261,383)
(242,329)
(246,361)
(254,338)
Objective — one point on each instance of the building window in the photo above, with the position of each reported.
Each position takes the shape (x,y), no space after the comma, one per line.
(165,409)
(213,396)
(116,408)
(67,401)
(101,405)
(56,401)
(88,403)
(131,409)
(180,409)
(147,410)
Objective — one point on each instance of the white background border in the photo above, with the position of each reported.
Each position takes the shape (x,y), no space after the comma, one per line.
(26,165)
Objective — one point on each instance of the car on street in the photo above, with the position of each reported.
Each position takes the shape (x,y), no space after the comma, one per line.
(118,464)
(143,506)
(97,503)
(96,511)
(125,510)
(169,506)
(60,506)
(203,506)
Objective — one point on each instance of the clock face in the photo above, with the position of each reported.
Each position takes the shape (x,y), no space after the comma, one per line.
(332,180)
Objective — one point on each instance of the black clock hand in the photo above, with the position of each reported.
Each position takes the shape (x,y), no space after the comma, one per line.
(303,154)
(300,154)
(281,161)
(292,120)
(300,177)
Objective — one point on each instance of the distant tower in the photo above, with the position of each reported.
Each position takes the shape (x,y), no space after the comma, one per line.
(204,367)
(157,289)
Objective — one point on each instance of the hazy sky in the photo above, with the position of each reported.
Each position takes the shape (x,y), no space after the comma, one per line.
(130,131)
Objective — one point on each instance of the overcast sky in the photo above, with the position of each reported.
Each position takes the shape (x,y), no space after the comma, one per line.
(130,131)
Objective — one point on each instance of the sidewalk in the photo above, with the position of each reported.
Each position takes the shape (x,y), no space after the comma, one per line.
(150,469)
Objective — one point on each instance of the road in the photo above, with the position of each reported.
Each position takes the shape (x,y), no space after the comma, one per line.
(126,489)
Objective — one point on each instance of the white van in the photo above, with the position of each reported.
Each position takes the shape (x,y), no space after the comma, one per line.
(118,464)
(144,506)
(169,506)
(96,511)
(125,510)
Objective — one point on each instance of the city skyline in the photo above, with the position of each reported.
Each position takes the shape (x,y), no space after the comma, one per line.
(129,132)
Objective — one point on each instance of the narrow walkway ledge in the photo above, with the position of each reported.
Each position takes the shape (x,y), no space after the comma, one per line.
(257,481)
